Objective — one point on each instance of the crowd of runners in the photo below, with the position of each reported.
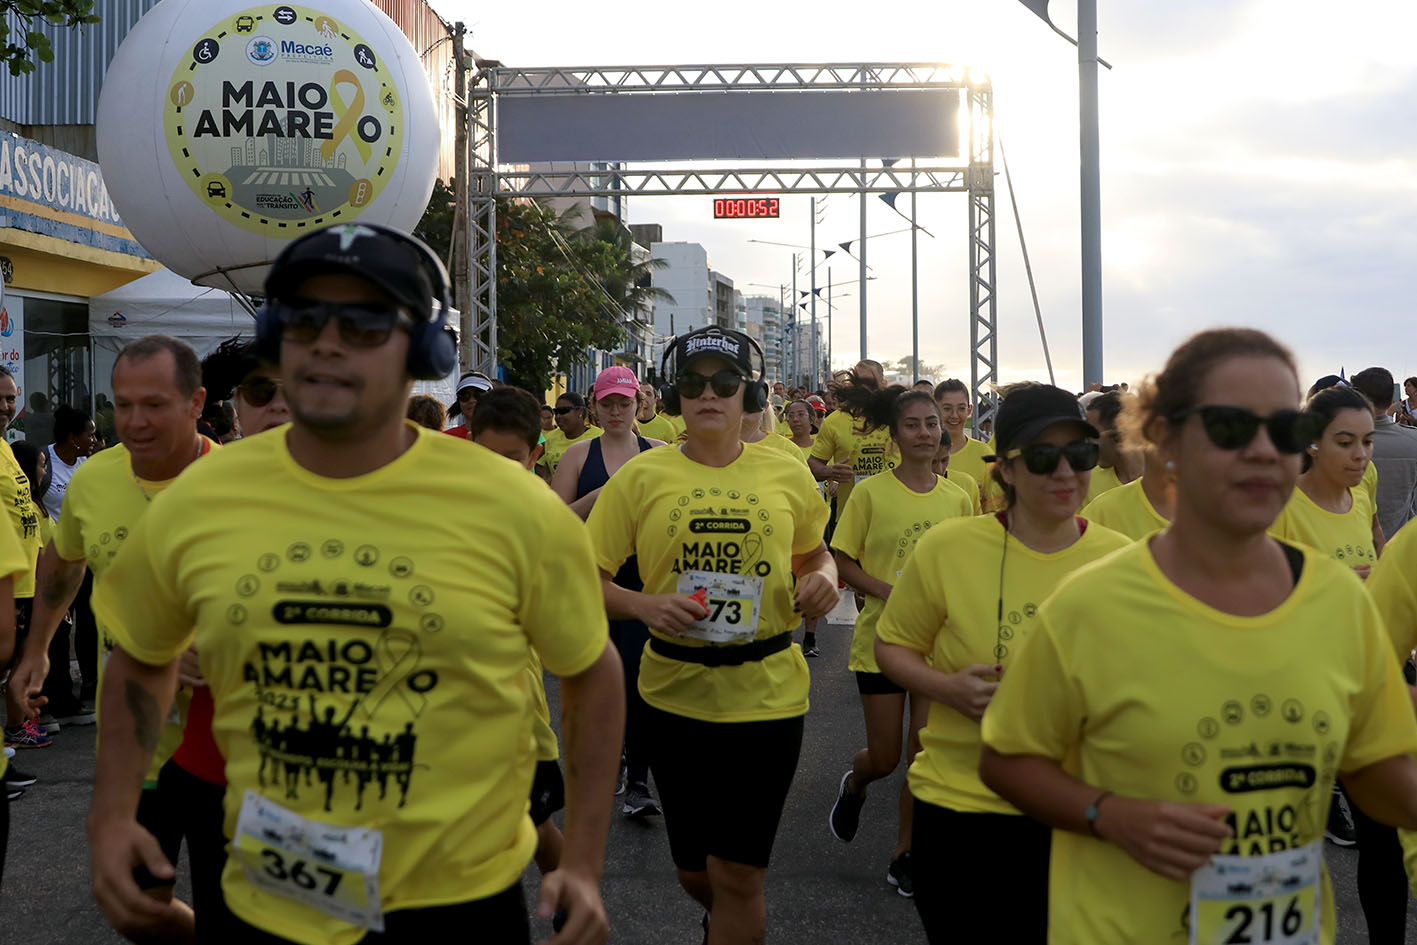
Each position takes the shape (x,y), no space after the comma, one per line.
(1140,652)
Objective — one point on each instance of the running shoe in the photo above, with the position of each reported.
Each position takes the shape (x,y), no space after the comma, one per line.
(900,877)
(620,778)
(9,752)
(76,713)
(13,794)
(27,735)
(639,802)
(15,778)
(46,723)
(846,812)
(1340,823)
(811,651)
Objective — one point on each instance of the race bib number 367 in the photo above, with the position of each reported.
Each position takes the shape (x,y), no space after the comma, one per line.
(330,868)
(1258,900)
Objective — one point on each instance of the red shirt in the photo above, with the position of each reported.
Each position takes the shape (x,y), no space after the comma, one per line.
(198,754)
(459,431)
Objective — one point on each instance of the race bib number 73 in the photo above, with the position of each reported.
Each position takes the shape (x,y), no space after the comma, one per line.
(732,601)
(1258,900)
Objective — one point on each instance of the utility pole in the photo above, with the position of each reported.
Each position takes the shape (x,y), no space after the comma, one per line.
(863,260)
(462,287)
(1091,193)
(914,281)
(796,340)
(812,261)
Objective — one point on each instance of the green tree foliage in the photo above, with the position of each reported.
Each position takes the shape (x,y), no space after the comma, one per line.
(21,43)
(561,289)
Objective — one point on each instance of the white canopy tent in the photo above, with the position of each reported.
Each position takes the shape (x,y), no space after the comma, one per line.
(166,303)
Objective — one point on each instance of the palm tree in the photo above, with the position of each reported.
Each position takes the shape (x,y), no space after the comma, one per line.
(630,284)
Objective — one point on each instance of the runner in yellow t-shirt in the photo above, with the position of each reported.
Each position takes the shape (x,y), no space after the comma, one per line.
(1330,511)
(571,427)
(1184,706)
(23,516)
(801,421)
(967,455)
(1142,506)
(14,564)
(157,396)
(1118,466)
(965,481)
(720,529)
(654,425)
(504,422)
(847,448)
(958,617)
(885,518)
(368,610)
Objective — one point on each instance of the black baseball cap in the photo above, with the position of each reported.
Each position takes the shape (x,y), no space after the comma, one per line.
(387,258)
(1029,410)
(732,346)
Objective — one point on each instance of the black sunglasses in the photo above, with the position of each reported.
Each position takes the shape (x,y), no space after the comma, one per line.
(562,411)
(1042,459)
(259,391)
(691,384)
(1232,428)
(360,324)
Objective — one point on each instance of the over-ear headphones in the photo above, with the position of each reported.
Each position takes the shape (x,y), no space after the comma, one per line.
(432,348)
(755,390)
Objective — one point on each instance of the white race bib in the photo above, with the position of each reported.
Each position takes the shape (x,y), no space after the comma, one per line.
(333,869)
(733,601)
(1261,900)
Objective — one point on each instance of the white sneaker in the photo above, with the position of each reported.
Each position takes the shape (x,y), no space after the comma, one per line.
(9,752)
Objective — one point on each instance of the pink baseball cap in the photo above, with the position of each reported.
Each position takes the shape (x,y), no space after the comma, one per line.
(616,380)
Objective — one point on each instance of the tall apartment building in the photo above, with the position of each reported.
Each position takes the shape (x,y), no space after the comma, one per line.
(686,278)
(764,318)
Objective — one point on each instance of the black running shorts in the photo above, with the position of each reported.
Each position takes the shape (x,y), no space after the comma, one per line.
(699,768)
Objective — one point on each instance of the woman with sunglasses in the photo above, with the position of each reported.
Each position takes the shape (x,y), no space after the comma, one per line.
(571,427)
(1205,686)
(471,386)
(1329,510)
(728,541)
(962,608)
(879,528)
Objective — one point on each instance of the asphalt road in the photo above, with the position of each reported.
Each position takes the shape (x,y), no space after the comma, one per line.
(819,890)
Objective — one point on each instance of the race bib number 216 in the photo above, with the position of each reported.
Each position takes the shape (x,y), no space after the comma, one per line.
(1258,900)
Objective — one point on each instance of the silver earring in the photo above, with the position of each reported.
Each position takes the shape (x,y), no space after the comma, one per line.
(1170,464)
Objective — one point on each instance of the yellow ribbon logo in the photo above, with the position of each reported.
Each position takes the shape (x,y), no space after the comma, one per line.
(348,116)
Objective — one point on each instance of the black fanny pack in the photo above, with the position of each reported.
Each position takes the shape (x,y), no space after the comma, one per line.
(735,655)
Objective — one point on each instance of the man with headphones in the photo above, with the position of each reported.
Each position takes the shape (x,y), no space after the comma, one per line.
(363,618)
(730,551)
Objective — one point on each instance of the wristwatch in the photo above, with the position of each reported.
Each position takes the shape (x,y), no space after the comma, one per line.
(1090,814)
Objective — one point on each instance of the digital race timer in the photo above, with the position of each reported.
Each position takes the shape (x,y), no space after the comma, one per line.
(745,207)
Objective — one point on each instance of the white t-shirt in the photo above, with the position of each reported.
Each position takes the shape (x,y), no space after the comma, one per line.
(60,473)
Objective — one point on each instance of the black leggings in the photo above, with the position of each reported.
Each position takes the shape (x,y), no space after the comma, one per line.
(980,877)
(4,825)
(1382,879)
(630,637)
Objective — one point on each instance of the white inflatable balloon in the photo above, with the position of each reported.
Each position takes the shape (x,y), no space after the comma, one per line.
(225,130)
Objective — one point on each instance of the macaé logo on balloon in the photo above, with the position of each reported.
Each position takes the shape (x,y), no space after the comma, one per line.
(303,130)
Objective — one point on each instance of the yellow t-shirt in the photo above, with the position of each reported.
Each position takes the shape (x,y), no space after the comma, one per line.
(838,441)
(1347,538)
(1391,586)
(15,563)
(102,504)
(557,443)
(546,747)
(970,485)
(1153,694)
(880,527)
(776,441)
(946,606)
(378,626)
(1370,484)
(1126,509)
(1104,479)
(660,427)
(970,459)
(24,515)
(747,518)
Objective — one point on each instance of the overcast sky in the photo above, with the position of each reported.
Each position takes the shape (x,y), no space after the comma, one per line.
(1257,167)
